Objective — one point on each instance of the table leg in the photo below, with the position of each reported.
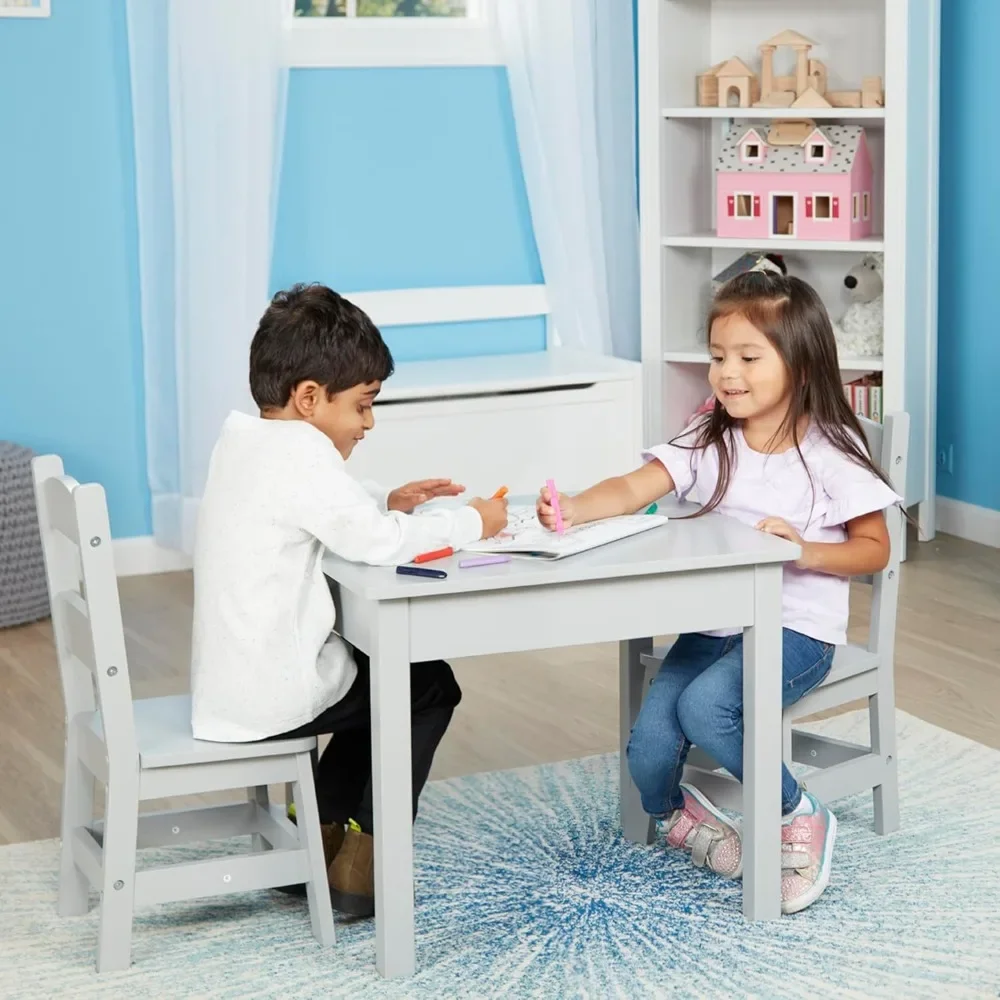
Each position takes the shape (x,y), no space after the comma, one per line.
(392,790)
(637,825)
(762,750)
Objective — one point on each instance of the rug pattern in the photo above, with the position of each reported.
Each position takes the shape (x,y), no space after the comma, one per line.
(525,888)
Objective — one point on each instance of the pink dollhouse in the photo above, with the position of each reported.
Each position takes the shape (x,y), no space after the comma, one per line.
(794,180)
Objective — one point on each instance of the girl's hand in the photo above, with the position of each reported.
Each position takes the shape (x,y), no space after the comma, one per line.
(547,513)
(781,528)
(412,495)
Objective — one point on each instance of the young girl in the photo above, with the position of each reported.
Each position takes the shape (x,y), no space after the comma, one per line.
(780,450)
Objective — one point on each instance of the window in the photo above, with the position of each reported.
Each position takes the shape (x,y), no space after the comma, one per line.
(389,33)
(816,152)
(752,150)
(855,212)
(744,206)
(823,207)
(866,201)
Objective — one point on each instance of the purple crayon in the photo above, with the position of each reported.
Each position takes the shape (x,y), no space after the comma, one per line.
(483,561)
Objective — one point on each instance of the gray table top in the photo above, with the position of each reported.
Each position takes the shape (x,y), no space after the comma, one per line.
(710,542)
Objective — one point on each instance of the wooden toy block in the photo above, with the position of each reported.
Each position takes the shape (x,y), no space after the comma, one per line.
(844,98)
(811,99)
(790,131)
(736,80)
(777,99)
(708,87)
(818,76)
(872,95)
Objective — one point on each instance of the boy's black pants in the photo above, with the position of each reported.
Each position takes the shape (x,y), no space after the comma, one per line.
(344,772)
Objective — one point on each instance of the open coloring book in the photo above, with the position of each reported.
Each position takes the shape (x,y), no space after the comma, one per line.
(524,536)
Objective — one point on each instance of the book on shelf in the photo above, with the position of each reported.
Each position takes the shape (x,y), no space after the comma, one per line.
(865,396)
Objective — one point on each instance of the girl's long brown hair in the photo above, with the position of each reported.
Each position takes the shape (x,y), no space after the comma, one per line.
(793,318)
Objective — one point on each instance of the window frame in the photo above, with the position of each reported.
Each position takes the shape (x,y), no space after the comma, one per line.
(866,206)
(736,204)
(330,42)
(816,195)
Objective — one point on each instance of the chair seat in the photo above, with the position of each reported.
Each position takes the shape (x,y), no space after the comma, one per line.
(163,735)
(848,661)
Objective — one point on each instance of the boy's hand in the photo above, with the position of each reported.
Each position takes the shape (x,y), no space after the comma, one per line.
(547,513)
(412,495)
(493,513)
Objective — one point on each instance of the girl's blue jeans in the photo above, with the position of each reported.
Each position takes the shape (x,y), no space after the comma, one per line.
(697,698)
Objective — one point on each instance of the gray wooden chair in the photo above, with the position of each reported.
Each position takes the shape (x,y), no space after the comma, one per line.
(144,750)
(857,672)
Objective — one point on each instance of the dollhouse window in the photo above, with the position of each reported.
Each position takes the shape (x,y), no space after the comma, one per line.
(866,202)
(855,212)
(752,150)
(816,152)
(823,207)
(744,206)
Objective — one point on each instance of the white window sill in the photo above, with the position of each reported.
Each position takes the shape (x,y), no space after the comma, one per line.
(389,41)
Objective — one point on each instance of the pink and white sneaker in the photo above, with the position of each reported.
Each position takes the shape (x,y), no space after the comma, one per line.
(806,852)
(711,837)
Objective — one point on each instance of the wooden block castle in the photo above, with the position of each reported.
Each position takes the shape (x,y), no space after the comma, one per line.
(733,84)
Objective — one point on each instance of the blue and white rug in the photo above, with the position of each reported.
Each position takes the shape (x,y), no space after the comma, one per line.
(526,889)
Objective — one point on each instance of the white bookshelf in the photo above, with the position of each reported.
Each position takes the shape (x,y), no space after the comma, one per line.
(679,142)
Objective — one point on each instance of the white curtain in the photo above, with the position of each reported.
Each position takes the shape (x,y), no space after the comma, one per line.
(208,99)
(571,66)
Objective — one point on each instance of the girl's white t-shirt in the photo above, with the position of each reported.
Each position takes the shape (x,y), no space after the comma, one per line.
(817,498)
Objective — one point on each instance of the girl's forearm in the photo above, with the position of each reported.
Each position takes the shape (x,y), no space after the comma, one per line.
(609,498)
(855,557)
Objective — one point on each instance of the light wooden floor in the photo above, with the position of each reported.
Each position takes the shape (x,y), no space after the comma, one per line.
(517,709)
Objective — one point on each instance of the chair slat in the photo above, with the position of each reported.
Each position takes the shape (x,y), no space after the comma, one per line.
(59,508)
(76,632)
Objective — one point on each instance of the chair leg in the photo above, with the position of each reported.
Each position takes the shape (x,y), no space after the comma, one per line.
(259,795)
(317,887)
(882,721)
(114,942)
(77,811)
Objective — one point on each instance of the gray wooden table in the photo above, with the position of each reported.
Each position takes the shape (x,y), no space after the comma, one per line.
(687,576)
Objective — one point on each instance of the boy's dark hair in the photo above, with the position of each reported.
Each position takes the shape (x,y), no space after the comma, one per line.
(310,333)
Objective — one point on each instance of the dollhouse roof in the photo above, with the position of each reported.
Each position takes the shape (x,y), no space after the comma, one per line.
(845,141)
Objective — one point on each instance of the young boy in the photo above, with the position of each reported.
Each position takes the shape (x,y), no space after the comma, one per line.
(265,660)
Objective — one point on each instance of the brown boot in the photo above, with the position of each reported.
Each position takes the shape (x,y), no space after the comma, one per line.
(333,840)
(352,874)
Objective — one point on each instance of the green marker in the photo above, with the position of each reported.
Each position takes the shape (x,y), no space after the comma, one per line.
(651,509)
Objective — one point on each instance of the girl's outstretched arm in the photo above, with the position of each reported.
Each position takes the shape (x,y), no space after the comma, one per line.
(619,495)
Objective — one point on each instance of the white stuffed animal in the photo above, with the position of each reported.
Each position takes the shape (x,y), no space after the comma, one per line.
(859,333)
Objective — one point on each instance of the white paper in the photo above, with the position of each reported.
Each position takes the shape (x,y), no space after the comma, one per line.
(525,536)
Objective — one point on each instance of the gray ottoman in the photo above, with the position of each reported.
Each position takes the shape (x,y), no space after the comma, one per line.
(24,595)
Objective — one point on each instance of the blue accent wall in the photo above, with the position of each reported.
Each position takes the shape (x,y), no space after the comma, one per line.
(407,178)
(70,344)
(969,344)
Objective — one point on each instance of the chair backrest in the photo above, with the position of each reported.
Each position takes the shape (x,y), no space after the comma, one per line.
(888,442)
(86,614)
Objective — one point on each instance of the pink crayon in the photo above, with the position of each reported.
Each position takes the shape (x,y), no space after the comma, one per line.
(554,500)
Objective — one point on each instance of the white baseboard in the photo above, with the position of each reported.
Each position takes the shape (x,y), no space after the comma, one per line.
(966,520)
(141,555)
